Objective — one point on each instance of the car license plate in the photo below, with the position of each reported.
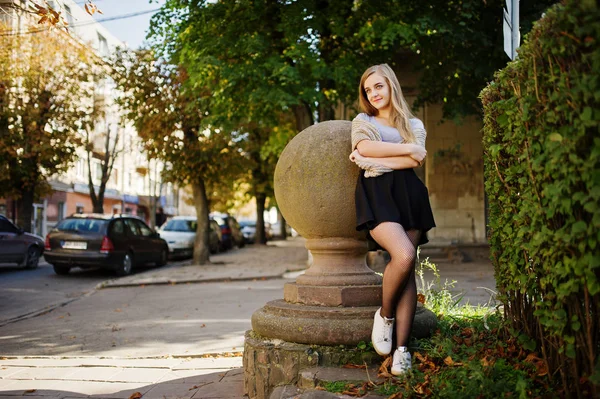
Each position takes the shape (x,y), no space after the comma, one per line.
(75,245)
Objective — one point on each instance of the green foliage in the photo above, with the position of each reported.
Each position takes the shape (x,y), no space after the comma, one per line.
(542,178)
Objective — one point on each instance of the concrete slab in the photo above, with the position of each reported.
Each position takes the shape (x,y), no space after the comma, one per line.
(196,377)
(6,372)
(35,387)
(171,391)
(96,374)
(47,373)
(221,390)
(139,375)
(104,389)
(210,363)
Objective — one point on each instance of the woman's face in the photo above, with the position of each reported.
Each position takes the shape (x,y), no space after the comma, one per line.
(378,91)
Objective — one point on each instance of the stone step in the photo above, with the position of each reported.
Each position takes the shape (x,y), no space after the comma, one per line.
(311,378)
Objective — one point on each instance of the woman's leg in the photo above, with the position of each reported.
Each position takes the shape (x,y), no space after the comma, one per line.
(407,302)
(394,239)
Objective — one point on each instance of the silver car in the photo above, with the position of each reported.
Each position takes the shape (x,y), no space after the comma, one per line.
(19,247)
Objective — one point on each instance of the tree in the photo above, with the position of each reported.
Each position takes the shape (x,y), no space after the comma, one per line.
(107,158)
(46,92)
(170,120)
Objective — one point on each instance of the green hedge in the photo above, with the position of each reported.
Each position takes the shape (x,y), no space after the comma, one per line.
(542,152)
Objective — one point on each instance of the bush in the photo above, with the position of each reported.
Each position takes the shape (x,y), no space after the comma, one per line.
(542,149)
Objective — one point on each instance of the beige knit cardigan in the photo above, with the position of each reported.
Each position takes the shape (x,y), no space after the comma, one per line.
(363,130)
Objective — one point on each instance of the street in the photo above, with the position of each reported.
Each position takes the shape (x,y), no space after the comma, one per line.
(25,293)
(44,314)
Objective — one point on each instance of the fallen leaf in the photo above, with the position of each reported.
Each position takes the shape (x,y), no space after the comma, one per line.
(422,389)
(118,310)
(194,387)
(135,395)
(203,325)
(30,390)
(421,298)
(397,395)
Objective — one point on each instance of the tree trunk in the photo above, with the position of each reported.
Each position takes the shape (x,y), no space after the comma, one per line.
(303,117)
(25,209)
(260,237)
(282,233)
(201,249)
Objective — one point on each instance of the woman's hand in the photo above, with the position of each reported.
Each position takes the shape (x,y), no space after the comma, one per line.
(418,153)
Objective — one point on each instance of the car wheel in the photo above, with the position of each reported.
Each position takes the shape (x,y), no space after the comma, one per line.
(61,270)
(164,257)
(126,266)
(33,258)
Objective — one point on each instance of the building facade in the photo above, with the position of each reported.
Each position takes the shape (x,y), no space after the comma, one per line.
(135,185)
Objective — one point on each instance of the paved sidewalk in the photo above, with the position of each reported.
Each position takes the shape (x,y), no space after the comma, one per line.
(154,378)
(248,263)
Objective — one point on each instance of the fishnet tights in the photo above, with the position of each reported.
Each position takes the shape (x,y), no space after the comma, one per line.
(399,285)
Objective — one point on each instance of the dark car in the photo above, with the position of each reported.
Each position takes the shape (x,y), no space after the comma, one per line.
(19,247)
(215,237)
(231,234)
(115,242)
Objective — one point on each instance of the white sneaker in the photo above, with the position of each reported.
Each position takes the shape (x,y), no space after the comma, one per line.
(382,333)
(401,362)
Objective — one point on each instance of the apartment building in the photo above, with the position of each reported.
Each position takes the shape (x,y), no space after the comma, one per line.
(135,185)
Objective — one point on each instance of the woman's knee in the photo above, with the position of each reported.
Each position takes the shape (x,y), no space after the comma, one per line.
(404,258)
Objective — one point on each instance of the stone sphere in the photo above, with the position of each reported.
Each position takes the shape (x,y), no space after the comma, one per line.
(315,182)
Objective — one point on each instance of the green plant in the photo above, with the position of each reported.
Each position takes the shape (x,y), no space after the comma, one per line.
(542,158)
(436,295)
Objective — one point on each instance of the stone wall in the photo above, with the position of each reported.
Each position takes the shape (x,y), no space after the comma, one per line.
(454,177)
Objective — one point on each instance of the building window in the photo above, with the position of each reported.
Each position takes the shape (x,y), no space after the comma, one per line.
(61,211)
(79,208)
(80,168)
(102,45)
(69,15)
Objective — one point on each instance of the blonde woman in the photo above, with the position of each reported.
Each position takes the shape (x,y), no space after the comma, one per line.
(391,202)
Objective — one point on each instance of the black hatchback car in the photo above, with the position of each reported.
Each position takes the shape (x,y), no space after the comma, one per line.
(115,242)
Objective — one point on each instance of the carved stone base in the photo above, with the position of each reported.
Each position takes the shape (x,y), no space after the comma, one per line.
(269,363)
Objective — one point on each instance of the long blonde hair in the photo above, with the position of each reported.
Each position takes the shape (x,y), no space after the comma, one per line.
(400,112)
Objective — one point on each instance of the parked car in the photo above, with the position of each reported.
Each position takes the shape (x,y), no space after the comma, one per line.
(180,234)
(230,231)
(276,230)
(248,228)
(115,242)
(19,247)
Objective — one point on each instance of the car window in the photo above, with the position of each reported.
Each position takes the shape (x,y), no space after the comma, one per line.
(7,227)
(132,227)
(144,229)
(180,225)
(117,229)
(220,221)
(82,225)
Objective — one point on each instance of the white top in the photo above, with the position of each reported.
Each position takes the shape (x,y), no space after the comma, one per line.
(391,134)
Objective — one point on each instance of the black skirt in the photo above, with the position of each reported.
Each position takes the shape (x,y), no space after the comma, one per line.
(398,196)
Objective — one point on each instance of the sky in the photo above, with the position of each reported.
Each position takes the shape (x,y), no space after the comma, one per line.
(131,30)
